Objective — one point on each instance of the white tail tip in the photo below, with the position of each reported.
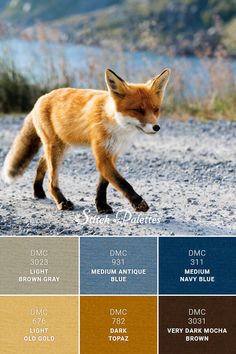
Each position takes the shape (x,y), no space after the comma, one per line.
(7,178)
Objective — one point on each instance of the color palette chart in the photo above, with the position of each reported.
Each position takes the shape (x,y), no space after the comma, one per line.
(117,295)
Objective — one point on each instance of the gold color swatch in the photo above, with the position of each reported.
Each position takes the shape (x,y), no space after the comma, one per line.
(39,325)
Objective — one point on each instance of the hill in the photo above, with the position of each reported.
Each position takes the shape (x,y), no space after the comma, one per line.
(27,12)
(177,26)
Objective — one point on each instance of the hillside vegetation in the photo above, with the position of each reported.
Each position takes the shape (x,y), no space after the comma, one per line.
(30,11)
(178,26)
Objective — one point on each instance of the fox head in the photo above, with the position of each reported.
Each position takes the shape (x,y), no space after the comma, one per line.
(137,106)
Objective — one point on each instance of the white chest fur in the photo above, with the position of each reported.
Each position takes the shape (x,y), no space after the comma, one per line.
(121,133)
(120,139)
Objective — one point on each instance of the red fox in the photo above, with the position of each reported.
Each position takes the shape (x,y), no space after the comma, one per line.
(105,120)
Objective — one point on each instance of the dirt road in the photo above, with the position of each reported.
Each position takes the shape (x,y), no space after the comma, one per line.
(186,173)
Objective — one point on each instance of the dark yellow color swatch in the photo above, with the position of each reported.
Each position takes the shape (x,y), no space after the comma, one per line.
(39,325)
(118,325)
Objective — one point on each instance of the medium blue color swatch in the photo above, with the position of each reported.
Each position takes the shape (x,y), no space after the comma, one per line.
(139,254)
(214,256)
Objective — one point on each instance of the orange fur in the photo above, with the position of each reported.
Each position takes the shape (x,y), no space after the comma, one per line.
(105,120)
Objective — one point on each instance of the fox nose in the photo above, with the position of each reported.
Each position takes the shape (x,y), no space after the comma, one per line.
(156,128)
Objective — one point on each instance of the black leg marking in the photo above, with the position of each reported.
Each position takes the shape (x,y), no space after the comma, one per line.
(62,202)
(38,191)
(101,198)
(137,202)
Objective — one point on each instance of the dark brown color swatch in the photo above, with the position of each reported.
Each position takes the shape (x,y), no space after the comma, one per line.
(202,315)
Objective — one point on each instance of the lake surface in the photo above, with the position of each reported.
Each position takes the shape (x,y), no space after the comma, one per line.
(40,60)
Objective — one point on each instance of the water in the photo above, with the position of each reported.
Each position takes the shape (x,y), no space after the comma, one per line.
(85,64)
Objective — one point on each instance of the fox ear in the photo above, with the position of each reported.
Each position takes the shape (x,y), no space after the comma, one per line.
(115,84)
(160,82)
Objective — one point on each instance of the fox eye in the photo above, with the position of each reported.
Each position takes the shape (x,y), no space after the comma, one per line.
(139,110)
(156,109)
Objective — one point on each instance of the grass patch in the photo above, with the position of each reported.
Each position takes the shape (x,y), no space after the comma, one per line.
(206,108)
(214,98)
(17,93)
(215,92)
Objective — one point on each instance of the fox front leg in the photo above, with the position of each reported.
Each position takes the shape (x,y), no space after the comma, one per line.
(108,171)
(101,197)
(137,202)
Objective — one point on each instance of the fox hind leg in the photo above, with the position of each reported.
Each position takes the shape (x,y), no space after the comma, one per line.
(39,177)
(101,197)
(54,154)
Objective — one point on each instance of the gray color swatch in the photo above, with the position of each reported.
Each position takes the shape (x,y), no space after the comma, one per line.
(38,265)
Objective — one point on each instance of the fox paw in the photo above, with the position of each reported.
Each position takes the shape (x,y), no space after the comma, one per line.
(141,206)
(65,205)
(39,193)
(104,209)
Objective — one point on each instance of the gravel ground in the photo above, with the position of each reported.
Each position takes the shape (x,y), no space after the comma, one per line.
(187,174)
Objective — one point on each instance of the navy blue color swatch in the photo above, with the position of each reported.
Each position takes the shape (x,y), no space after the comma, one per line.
(197,265)
(118,265)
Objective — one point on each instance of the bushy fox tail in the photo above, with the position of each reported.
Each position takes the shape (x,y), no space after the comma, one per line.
(25,146)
